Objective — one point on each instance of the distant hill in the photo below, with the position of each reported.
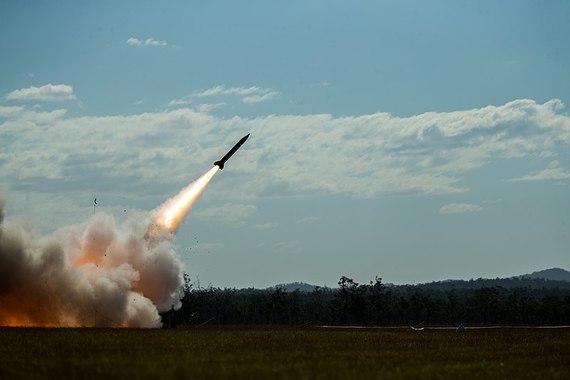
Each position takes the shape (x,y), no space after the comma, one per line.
(548,278)
(553,274)
(294,286)
(554,278)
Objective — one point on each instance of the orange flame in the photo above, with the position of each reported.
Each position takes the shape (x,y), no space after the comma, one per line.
(170,216)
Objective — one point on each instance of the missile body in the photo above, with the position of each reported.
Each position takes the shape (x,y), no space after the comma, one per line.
(231,152)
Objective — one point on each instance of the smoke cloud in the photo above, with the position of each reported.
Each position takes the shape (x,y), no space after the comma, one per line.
(99,273)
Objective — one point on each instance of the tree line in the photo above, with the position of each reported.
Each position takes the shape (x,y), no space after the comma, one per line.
(516,302)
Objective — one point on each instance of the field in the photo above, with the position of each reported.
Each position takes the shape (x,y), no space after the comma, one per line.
(283,352)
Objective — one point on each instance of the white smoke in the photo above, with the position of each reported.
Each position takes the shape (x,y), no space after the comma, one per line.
(97,273)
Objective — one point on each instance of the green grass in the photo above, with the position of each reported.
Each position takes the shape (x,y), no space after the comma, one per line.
(280,352)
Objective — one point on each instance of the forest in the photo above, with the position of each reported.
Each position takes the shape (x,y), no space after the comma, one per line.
(482,302)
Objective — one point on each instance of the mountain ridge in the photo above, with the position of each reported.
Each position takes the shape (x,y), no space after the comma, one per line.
(553,274)
(550,278)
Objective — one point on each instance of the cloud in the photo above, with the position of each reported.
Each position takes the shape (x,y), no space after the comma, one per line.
(253,94)
(259,98)
(492,201)
(148,42)
(309,219)
(186,101)
(284,247)
(223,90)
(264,226)
(179,102)
(459,208)
(49,93)
(227,213)
(10,111)
(207,107)
(146,157)
(28,118)
(553,172)
(247,95)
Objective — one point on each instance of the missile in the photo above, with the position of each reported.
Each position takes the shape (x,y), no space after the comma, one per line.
(231,152)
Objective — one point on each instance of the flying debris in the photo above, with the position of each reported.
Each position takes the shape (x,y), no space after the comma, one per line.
(221,163)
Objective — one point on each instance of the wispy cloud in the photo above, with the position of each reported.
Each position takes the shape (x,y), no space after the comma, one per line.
(554,172)
(179,102)
(188,101)
(248,95)
(285,247)
(223,90)
(492,201)
(207,107)
(259,98)
(228,213)
(459,208)
(148,42)
(49,93)
(264,226)
(309,219)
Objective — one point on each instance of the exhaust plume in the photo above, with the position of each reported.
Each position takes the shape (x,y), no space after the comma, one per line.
(169,216)
(97,273)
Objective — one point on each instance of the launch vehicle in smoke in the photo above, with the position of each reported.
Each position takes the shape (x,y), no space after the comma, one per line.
(221,163)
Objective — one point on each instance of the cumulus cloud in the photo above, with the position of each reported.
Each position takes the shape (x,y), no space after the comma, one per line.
(248,95)
(553,172)
(28,119)
(48,93)
(10,111)
(287,155)
(148,42)
(459,208)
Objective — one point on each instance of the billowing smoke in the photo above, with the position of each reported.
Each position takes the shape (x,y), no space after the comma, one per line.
(98,273)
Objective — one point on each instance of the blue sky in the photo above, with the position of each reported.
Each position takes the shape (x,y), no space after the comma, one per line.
(409,140)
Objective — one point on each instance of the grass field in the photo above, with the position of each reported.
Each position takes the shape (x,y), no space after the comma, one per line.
(282,352)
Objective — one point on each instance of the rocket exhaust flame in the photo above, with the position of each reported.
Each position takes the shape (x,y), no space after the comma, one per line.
(171,214)
(97,273)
